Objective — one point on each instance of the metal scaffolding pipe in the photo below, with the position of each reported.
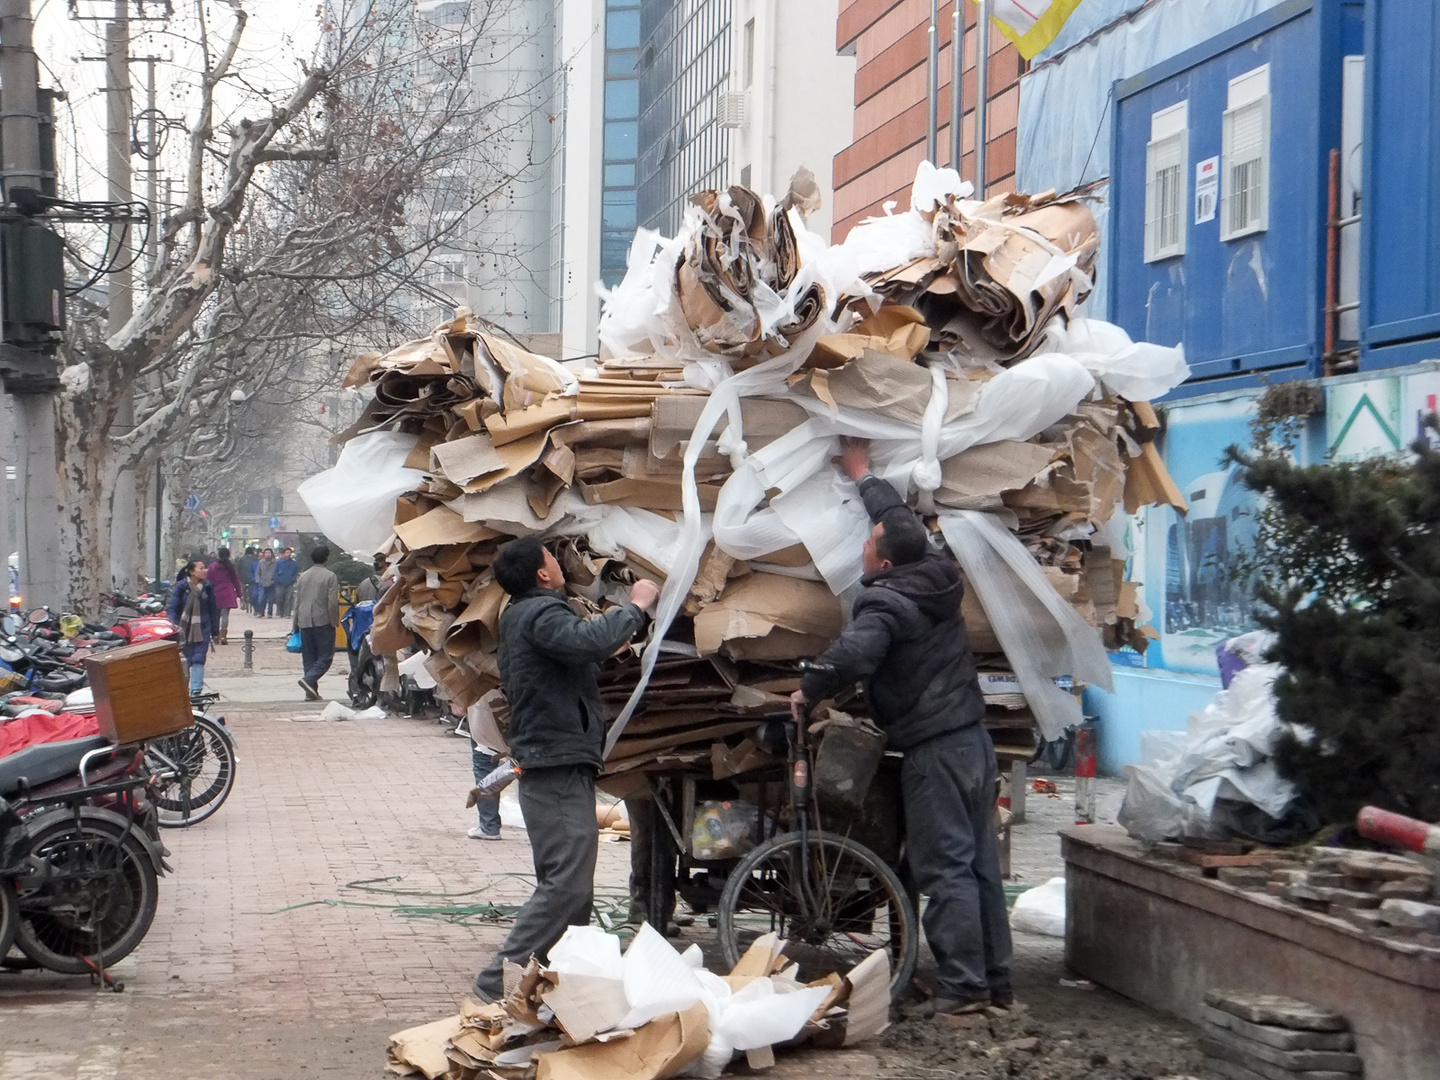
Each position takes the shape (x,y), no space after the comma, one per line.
(957,82)
(982,90)
(932,104)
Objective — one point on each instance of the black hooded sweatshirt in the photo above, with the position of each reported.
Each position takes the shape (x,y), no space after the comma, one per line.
(907,642)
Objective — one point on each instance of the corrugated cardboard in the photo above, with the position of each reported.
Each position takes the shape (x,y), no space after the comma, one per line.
(1148,482)
(755,605)
(442,526)
(422,1049)
(656,1051)
(463,460)
(585,1005)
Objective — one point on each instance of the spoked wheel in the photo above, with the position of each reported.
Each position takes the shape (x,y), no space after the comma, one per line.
(197,767)
(9,917)
(834,900)
(90,894)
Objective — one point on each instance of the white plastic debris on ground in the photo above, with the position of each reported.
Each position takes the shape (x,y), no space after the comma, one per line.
(336,711)
(1041,910)
(651,1013)
(1225,763)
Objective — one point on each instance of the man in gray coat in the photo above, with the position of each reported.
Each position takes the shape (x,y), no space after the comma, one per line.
(317,614)
(548,662)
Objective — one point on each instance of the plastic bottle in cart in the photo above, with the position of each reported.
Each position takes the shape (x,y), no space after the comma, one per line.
(498,779)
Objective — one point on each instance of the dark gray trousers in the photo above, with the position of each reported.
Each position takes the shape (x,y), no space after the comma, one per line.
(954,858)
(559,807)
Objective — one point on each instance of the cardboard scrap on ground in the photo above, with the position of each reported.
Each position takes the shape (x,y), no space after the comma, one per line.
(595,1015)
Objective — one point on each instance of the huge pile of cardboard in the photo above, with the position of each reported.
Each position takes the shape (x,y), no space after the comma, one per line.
(513,443)
(591,1014)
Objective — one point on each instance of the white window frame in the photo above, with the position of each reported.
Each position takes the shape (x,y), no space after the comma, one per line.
(1247,105)
(1167,163)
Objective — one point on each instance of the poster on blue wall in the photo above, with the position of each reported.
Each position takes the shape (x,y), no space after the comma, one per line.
(1193,586)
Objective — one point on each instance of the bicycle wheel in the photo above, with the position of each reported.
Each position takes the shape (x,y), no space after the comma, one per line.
(835,907)
(95,896)
(198,770)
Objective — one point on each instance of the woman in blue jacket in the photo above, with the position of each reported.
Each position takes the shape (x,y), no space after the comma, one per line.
(193,609)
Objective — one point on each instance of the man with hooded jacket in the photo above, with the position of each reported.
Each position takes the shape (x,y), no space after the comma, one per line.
(907,643)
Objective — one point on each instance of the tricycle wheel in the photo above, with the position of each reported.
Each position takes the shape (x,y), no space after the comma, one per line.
(834,900)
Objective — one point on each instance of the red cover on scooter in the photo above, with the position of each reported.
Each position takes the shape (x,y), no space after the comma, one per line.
(38,728)
(147,628)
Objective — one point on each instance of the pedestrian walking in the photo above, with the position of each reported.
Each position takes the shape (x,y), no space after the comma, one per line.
(487,747)
(193,609)
(245,567)
(317,614)
(224,578)
(906,641)
(265,583)
(287,572)
(548,660)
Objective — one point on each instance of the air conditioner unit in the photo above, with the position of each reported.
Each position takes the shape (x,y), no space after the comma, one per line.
(732,107)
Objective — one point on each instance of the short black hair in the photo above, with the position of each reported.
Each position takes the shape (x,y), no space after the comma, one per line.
(517,564)
(320,555)
(903,538)
(223,554)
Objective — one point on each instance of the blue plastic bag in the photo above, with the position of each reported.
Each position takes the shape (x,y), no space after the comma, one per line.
(292,643)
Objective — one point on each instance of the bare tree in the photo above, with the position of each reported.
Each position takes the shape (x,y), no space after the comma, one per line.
(304,231)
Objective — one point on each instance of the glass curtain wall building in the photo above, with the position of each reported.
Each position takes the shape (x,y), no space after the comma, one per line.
(684,65)
(622,121)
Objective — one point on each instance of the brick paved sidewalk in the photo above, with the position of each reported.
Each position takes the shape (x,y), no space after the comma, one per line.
(222,987)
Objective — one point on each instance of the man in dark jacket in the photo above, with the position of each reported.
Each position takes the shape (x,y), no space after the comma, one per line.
(907,642)
(548,661)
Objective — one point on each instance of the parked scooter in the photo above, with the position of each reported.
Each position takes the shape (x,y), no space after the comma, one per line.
(80,856)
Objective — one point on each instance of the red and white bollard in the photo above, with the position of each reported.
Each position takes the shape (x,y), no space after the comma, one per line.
(1398,830)
(1084,776)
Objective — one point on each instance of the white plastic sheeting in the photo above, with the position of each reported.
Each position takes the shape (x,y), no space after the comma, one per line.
(1226,756)
(354,502)
(1066,115)
(1042,635)
(1041,910)
(656,980)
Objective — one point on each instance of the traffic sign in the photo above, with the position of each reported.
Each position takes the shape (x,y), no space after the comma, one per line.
(274,523)
(192,502)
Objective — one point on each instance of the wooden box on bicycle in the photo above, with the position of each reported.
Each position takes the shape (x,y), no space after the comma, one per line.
(140,692)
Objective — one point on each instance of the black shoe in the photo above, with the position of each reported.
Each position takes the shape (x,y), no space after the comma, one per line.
(311,694)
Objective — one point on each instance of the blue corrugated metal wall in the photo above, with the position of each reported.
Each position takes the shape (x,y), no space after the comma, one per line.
(1251,304)
(1400,227)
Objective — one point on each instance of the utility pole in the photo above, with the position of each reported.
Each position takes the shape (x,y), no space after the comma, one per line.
(31,400)
(125,520)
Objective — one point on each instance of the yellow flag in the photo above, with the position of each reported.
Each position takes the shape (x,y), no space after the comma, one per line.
(1031,24)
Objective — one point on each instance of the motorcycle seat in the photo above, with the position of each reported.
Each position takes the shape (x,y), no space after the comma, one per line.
(45,762)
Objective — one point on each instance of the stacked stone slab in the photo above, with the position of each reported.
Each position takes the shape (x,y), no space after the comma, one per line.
(1249,1036)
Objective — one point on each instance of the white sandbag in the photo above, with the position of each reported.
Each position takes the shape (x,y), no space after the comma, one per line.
(354,502)
(1041,910)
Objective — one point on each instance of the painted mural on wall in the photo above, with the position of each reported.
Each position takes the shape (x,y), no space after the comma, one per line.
(1192,587)
(1190,565)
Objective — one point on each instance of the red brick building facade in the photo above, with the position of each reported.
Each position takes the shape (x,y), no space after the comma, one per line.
(890,39)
